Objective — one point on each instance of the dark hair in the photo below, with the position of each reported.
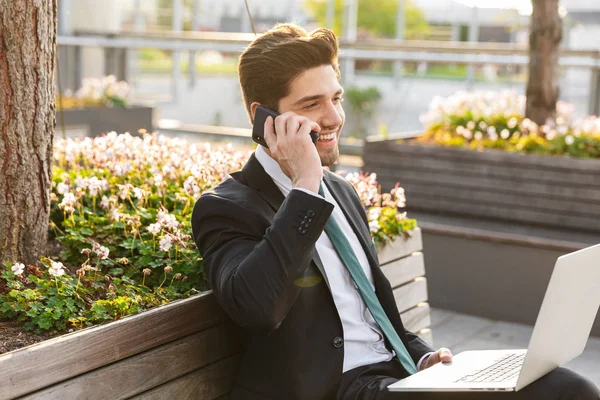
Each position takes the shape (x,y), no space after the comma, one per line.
(269,65)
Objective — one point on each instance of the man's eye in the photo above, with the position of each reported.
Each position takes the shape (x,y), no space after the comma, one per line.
(339,99)
(310,106)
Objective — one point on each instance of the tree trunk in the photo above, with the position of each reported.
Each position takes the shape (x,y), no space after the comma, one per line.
(544,41)
(27,54)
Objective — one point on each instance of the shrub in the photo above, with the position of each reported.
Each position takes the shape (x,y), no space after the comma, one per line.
(120,215)
(490,120)
(106,91)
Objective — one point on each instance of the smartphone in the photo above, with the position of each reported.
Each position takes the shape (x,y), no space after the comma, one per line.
(258,130)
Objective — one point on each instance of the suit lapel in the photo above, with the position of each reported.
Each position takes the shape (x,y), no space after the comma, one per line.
(258,179)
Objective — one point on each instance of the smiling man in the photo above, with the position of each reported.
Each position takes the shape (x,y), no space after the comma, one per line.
(287,249)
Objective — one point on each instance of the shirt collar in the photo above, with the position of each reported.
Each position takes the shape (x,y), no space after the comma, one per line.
(273,169)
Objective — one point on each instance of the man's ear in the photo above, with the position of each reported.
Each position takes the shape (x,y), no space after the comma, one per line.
(253,108)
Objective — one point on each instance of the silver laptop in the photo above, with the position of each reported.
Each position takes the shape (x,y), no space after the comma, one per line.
(560,334)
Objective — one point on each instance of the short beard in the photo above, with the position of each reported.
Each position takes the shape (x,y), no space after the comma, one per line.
(330,158)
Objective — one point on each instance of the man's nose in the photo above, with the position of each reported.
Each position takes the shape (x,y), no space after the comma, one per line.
(332,116)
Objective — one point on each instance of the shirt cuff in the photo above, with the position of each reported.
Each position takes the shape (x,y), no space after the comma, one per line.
(313,193)
(423,359)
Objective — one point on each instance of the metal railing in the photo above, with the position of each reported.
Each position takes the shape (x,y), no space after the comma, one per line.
(379,49)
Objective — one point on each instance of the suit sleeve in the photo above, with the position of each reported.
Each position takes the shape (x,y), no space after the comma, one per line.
(252,272)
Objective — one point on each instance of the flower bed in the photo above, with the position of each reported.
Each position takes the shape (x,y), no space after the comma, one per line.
(94,92)
(100,106)
(120,214)
(490,120)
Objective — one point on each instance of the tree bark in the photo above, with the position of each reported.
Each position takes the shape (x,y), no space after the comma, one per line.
(544,41)
(27,119)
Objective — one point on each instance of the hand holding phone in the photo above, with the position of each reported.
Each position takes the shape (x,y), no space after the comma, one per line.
(258,130)
(298,159)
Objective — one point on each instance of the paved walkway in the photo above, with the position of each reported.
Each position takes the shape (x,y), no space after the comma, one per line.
(460,332)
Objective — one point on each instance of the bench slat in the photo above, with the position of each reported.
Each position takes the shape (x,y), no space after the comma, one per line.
(150,369)
(404,270)
(417,318)
(411,294)
(400,248)
(207,383)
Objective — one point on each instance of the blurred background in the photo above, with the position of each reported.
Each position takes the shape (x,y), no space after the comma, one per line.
(192,79)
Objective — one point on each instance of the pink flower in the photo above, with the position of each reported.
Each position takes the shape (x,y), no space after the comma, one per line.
(154,228)
(166,243)
(57,269)
(101,251)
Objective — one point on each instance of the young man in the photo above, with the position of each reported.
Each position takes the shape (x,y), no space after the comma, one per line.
(288,254)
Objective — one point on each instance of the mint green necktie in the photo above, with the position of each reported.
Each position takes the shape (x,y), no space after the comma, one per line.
(344,250)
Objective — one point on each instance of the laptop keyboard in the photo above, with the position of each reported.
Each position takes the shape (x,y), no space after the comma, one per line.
(506,368)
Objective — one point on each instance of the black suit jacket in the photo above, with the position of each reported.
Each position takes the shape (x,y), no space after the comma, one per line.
(260,259)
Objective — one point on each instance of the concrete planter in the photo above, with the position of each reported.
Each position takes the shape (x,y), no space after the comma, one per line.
(493,223)
(555,192)
(187,349)
(490,274)
(94,121)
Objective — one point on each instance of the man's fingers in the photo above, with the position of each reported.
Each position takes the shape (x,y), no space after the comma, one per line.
(306,127)
(444,354)
(315,127)
(270,133)
(293,123)
(281,125)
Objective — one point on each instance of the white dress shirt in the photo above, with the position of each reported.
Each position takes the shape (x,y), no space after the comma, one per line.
(363,339)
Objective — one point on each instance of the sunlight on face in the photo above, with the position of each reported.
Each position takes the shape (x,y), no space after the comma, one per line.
(317,94)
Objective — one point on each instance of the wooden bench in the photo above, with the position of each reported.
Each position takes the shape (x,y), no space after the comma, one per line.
(187,349)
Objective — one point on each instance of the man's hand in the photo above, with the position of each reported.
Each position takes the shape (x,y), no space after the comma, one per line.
(442,355)
(293,149)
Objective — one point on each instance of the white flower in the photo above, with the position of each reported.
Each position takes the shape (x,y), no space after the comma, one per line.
(82,182)
(138,193)
(569,140)
(165,243)
(374,226)
(505,134)
(57,269)
(18,269)
(154,228)
(374,213)
(102,252)
(96,186)
(105,204)
(68,202)
(124,190)
(167,220)
(62,188)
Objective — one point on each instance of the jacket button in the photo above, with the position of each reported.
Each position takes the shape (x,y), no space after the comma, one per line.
(338,342)
(311,213)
